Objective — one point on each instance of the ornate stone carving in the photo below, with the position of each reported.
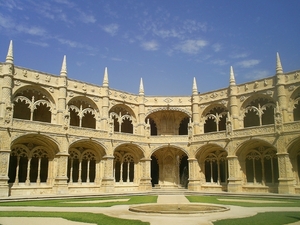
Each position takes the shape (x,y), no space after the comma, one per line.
(3,164)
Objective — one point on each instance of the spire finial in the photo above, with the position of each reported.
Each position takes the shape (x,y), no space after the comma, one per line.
(10,57)
(278,65)
(141,91)
(63,71)
(195,89)
(232,79)
(105,78)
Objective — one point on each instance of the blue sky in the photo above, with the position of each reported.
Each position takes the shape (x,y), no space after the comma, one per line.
(165,42)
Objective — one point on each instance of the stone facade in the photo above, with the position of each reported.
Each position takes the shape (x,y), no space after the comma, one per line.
(63,136)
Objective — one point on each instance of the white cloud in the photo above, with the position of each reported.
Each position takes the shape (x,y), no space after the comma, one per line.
(31,30)
(191,46)
(238,55)
(74,44)
(258,74)
(217,47)
(42,44)
(248,63)
(191,26)
(6,22)
(219,62)
(150,45)
(112,29)
(87,18)
(9,24)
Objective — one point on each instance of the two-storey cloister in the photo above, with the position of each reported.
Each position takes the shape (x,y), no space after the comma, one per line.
(61,136)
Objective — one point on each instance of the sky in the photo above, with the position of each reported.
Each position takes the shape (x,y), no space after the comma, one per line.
(165,42)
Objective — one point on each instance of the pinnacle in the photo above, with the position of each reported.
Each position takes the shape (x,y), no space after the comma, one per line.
(279,69)
(195,89)
(10,57)
(141,91)
(63,71)
(232,78)
(105,78)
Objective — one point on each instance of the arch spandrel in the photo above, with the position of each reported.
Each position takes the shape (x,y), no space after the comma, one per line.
(85,144)
(169,147)
(38,140)
(207,148)
(33,88)
(254,143)
(123,109)
(136,150)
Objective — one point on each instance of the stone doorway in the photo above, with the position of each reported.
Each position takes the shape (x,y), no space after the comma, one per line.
(169,168)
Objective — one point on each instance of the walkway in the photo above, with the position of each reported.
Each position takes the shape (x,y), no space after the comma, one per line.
(121,211)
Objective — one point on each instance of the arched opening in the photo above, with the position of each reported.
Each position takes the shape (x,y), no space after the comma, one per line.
(296,111)
(42,113)
(215,119)
(29,160)
(123,119)
(126,160)
(168,122)
(184,171)
(84,162)
(126,126)
(169,168)
(259,112)
(82,112)
(154,171)
(183,127)
(21,110)
(88,120)
(30,103)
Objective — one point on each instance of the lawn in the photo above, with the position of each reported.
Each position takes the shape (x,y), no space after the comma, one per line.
(99,219)
(277,202)
(274,218)
(70,202)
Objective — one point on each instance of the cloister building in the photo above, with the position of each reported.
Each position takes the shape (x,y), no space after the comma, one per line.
(63,136)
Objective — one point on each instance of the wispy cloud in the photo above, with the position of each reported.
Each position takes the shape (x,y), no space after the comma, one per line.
(238,55)
(42,44)
(86,18)
(217,47)
(219,62)
(150,45)
(11,4)
(191,46)
(248,63)
(258,74)
(8,23)
(112,29)
(73,44)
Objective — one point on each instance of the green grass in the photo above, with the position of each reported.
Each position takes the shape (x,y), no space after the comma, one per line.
(99,219)
(274,218)
(68,202)
(214,199)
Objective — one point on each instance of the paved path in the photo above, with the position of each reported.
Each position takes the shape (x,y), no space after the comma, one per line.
(121,211)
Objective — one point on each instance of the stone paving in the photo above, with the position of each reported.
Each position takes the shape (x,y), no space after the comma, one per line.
(121,211)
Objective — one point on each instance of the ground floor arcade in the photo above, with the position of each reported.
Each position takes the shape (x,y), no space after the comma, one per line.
(36,164)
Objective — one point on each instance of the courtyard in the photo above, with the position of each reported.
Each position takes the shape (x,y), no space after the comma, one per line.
(114,209)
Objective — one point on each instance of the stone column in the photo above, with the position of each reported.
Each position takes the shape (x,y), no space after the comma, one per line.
(194,180)
(286,179)
(234,179)
(61,185)
(4,163)
(145,182)
(108,184)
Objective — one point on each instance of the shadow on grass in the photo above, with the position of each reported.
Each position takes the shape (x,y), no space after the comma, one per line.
(77,217)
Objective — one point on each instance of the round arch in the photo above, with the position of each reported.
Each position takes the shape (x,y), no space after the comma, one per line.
(169,167)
